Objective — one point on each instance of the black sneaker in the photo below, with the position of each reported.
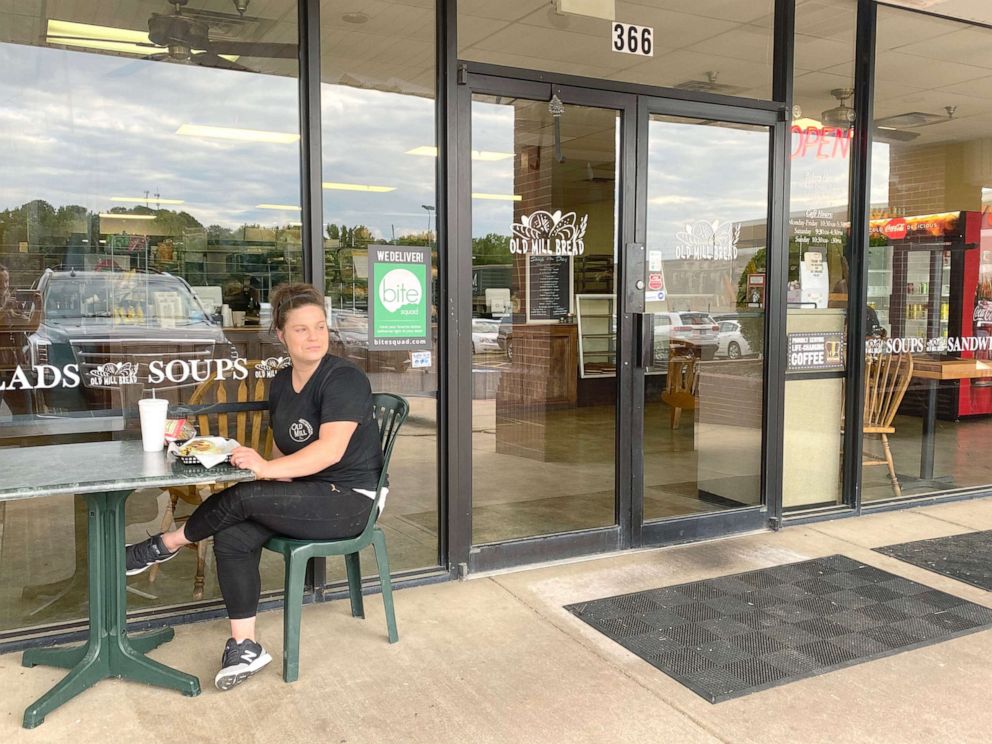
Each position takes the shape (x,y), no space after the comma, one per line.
(240,661)
(145,554)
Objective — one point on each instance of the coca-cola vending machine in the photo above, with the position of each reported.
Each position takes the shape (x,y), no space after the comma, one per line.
(930,283)
(975,396)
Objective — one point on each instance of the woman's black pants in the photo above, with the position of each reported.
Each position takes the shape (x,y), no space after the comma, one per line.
(243,517)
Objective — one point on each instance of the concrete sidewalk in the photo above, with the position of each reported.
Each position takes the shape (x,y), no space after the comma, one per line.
(497,659)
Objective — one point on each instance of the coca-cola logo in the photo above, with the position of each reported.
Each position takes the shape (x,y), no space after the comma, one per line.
(895,229)
(983,312)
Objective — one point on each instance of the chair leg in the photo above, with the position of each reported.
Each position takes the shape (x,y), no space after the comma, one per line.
(296,568)
(201,569)
(382,561)
(892,467)
(354,565)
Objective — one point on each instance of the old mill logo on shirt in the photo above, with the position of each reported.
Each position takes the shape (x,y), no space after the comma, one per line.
(301,431)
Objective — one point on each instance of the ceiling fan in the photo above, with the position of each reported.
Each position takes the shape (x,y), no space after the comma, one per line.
(896,128)
(186,38)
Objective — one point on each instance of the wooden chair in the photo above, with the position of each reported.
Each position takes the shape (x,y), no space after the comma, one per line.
(390,413)
(249,427)
(886,378)
(682,386)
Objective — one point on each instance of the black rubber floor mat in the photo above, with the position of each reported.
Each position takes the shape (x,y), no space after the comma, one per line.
(967,557)
(733,635)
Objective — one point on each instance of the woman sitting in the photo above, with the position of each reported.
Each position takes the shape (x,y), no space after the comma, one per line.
(320,484)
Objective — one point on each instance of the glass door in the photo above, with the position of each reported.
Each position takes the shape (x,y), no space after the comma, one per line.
(546,209)
(704,213)
(616,360)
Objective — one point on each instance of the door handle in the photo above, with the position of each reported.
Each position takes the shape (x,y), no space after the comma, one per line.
(644,330)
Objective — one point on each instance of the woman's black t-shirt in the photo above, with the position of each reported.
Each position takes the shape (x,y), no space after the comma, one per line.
(337,391)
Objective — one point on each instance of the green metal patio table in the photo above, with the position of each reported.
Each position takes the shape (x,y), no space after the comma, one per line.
(105,473)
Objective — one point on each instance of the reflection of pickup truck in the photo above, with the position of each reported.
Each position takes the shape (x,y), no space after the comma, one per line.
(104,321)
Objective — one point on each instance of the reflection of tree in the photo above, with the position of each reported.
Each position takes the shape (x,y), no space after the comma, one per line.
(491,249)
(38,221)
(166,221)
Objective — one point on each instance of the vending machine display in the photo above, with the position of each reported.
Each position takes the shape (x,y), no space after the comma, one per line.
(930,284)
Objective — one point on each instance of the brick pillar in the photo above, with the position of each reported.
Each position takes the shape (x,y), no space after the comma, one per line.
(930,178)
(521,408)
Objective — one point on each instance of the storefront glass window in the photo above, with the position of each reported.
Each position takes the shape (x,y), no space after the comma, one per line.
(380,237)
(704,46)
(145,216)
(818,252)
(929,283)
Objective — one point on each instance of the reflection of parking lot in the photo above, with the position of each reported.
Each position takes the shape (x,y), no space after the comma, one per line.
(490,360)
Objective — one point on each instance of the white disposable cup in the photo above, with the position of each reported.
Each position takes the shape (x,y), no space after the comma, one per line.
(153,413)
(238,316)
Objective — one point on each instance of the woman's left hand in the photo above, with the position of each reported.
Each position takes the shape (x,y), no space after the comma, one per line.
(248,459)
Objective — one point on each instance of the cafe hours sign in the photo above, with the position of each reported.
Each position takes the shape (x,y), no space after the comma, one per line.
(400,302)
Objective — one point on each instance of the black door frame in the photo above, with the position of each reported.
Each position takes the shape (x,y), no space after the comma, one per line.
(635,103)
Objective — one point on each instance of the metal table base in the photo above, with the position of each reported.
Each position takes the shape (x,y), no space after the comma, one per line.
(109,652)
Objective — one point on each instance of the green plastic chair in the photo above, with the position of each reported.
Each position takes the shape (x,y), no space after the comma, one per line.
(390,413)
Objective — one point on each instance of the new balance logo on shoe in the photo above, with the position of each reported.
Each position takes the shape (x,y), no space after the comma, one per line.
(239,662)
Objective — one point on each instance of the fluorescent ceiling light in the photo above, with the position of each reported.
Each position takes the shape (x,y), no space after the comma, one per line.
(112,216)
(90,31)
(357,187)
(497,197)
(108,38)
(488,155)
(277,206)
(145,199)
(605,9)
(241,135)
(426,150)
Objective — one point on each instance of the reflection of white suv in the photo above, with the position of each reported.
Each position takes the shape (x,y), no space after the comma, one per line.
(732,342)
(691,330)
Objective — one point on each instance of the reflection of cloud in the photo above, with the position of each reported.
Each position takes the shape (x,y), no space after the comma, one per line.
(81,127)
(673,199)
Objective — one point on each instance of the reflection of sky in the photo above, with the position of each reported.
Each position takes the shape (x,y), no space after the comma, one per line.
(366,135)
(82,127)
(703,173)
(492,130)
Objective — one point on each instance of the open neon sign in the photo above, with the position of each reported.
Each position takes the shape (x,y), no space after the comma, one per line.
(823,143)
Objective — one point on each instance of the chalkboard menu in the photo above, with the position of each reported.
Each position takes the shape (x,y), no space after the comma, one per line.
(550,287)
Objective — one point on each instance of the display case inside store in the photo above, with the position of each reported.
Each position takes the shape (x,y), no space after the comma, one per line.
(597,335)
